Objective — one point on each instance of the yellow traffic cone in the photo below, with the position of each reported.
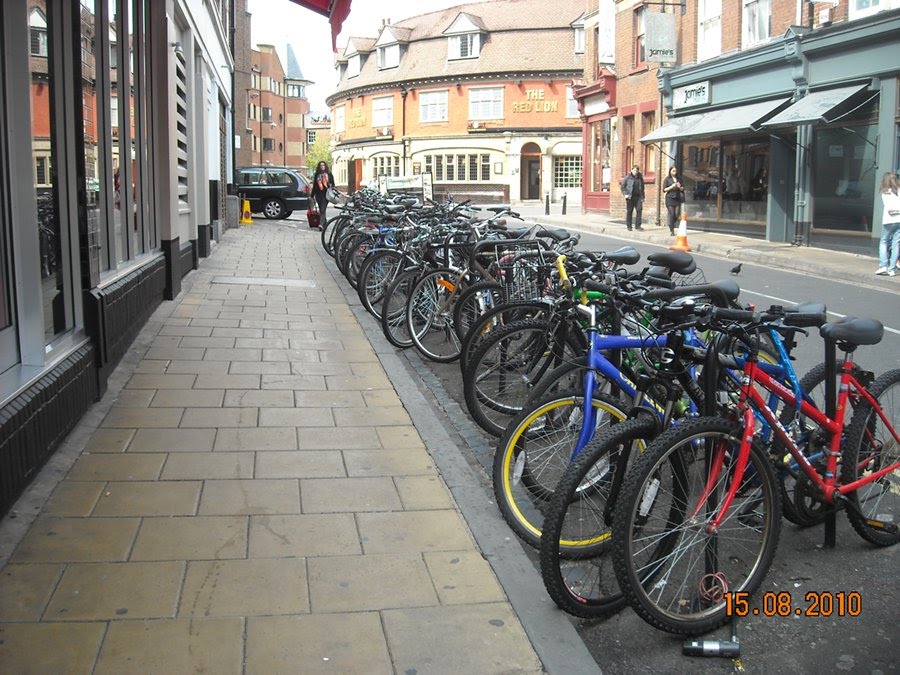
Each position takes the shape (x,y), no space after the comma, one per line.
(246,219)
(681,242)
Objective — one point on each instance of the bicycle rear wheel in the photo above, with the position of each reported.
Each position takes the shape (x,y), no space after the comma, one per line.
(575,565)
(473,302)
(672,569)
(874,509)
(535,451)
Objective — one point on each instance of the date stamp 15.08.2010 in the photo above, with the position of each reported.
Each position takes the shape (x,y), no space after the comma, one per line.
(782,604)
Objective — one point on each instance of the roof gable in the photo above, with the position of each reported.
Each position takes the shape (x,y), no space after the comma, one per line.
(465,23)
(392,35)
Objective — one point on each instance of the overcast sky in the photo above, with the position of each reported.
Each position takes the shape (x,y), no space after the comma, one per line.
(279,22)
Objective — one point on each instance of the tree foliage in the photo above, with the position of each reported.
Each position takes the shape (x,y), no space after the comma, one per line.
(318,152)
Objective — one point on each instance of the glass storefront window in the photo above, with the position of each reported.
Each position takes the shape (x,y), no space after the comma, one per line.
(51,237)
(726,180)
(845,178)
(601,171)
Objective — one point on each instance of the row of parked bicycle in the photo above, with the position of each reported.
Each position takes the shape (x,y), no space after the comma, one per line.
(651,430)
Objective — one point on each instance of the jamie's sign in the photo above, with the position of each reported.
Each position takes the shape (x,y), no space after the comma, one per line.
(691,95)
(535,102)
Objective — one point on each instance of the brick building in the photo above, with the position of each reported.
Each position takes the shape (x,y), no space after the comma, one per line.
(478,95)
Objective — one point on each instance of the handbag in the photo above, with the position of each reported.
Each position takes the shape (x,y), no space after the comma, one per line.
(331,195)
(313,217)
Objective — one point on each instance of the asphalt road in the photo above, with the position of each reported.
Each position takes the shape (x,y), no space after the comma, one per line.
(867,643)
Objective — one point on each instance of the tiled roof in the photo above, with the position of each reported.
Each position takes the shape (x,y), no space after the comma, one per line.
(521,36)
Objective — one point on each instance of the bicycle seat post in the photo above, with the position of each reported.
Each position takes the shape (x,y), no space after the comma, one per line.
(830,408)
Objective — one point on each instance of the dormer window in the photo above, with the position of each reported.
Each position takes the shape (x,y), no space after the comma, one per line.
(389,56)
(464,46)
(578,28)
(353,65)
(38,33)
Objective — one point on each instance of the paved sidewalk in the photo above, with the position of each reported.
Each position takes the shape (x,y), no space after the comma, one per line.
(252,496)
(819,262)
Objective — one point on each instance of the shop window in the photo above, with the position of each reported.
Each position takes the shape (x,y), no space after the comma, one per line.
(757,15)
(383,111)
(601,171)
(386,165)
(486,103)
(433,106)
(709,29)
(648,124)
(628,142)
(640,29)
(567,171)
(845,178)
(459,168)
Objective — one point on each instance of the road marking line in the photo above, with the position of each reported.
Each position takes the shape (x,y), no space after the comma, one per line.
(791,302)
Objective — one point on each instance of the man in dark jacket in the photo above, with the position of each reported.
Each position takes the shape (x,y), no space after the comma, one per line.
(633,189)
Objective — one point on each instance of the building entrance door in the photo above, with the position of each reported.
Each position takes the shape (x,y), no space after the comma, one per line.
(531,171)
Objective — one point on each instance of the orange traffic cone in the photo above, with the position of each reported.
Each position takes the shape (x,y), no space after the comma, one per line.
(681,242)
(246,219)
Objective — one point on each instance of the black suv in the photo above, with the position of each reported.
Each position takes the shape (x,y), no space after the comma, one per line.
(274,191)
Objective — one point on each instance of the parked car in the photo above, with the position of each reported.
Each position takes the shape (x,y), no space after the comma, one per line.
(274,191)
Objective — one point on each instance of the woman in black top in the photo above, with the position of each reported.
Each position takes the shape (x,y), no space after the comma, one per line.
(320,184)
(633,189)
(674,192)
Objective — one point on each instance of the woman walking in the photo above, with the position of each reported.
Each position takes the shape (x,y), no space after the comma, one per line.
(889,246)
(674,192)
(319,193)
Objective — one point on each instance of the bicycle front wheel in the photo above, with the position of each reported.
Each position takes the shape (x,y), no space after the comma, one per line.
(871,446)
(375,276)
(429,316)
(393,309)
(673,566)
(535,451)
(575,565)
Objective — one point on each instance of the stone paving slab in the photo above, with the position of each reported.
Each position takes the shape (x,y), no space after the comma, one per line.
(257,498)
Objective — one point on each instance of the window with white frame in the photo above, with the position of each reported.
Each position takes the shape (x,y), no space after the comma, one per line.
(571,103)
(296,91)
(461,168)
(353,65)
(466,46)
(37,25)
(310,137)
(579,39)
(709,29)
(383,111)
(486,103)
(386,165)
(339,120)
(433,106)
(757,15)
(864,8)
(388,56)
(567,171)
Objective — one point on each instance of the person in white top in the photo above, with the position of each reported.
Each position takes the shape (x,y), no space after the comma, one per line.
(889,246)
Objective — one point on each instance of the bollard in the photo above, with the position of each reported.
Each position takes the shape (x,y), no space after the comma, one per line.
(564,204)
(547,205)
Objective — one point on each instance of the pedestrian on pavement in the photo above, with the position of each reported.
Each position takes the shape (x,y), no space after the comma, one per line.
(633,189)
(674,192)
(889,246)
(319,193)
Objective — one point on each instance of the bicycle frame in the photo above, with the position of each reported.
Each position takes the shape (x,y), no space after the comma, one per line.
(751,401)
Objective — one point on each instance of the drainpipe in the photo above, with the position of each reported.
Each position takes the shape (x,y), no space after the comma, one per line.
(403,93)
(801,190)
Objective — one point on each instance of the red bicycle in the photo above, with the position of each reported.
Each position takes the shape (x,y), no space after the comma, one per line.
(699,515)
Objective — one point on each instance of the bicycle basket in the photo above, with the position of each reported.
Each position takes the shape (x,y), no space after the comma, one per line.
(522,268)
